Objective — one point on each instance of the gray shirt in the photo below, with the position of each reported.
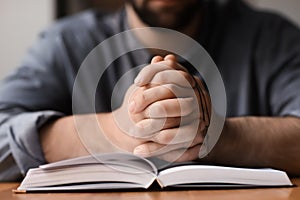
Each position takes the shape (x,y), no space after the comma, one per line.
(257,53)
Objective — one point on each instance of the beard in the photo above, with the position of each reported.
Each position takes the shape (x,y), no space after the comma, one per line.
(167,17)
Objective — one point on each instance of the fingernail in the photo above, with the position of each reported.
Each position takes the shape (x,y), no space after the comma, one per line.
(131,106)
(138,80)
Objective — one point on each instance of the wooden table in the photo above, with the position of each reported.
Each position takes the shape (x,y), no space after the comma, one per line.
(228,194)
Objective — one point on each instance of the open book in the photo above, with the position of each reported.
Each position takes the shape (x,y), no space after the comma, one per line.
(124,171)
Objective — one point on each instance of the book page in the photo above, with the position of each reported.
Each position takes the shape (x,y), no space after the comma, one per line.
(81,175)
(106,171)
(205,174)
(124,159)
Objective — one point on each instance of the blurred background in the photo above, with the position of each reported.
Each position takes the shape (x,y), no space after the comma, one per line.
(21,21)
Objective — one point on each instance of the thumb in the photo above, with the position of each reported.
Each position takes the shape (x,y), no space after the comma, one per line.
(156,59)
(171,57)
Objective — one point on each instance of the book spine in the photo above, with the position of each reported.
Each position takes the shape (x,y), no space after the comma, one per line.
(159,183)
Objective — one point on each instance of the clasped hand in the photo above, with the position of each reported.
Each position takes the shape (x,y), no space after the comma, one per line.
(168,111)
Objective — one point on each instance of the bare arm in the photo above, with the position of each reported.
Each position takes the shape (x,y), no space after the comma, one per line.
(260,142)
(64,138)
(59,140)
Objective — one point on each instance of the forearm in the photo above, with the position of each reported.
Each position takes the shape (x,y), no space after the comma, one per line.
(260,142)
(59,140)
(80,135)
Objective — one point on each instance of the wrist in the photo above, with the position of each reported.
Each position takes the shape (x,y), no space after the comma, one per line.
(222,147)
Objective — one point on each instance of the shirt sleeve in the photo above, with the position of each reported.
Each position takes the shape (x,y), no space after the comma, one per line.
(19,145)
(29,97)
(279,66)
(284,82)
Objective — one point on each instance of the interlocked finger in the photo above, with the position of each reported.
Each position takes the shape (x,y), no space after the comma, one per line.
(157,93)
(178,107)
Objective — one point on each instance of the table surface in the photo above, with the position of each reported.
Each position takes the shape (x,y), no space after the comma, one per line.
(228,194)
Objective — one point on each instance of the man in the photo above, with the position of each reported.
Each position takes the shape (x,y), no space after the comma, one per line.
(258,55)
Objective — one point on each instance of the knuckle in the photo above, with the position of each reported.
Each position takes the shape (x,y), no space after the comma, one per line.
(157,109)
(135,95)
(159,124)
(161,78)
(172,64)
(187,106)
(164,138)
(136,117)
(144,97)
(173,89)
